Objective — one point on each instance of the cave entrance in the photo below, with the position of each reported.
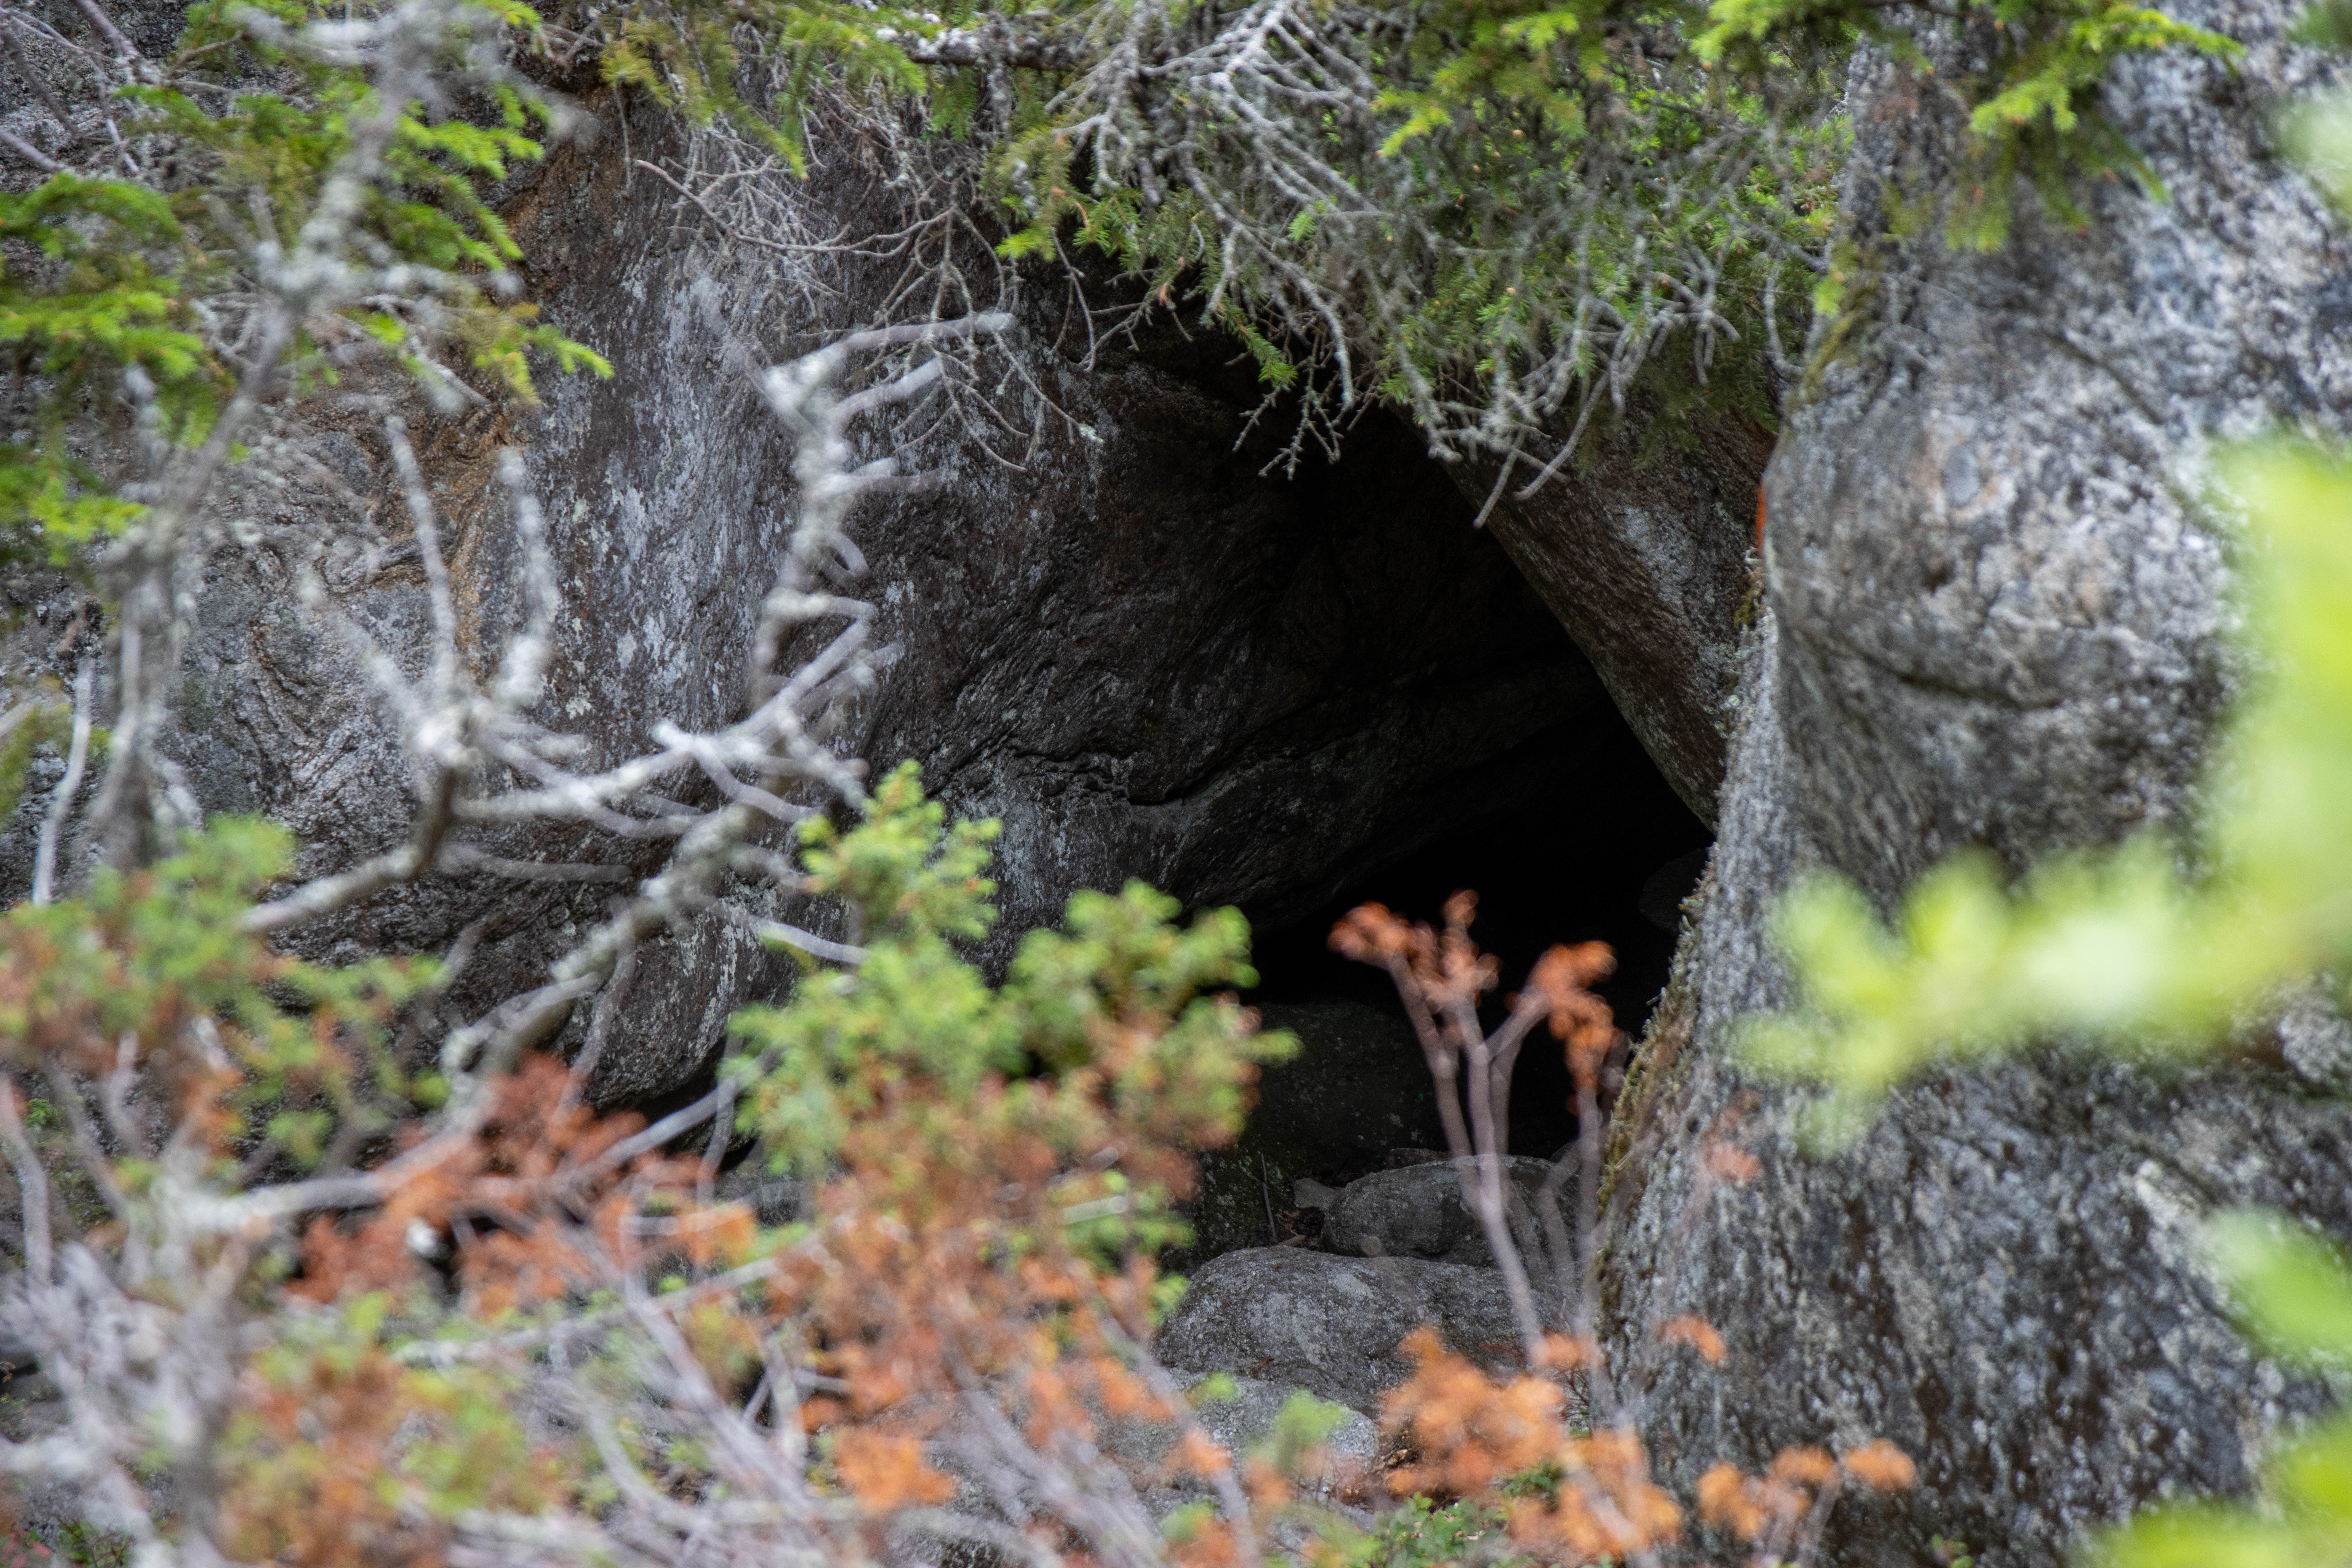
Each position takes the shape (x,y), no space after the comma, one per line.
(1606,851)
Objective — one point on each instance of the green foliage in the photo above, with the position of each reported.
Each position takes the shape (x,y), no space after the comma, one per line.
(143,956)
(1303,1425)
(333,1399)
(1488,207)
(2319,135)
(1500,185)
(116,285)
(86,1548)
(912,1008)
(2328,24)
(901,873)
(48,723)
(2296,1289)
(1424,1534)
(274,153)
(2034,112)
(77,1543)
(688,55)
(1109,1019)
(101,299)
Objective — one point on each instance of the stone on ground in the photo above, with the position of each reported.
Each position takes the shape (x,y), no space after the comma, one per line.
(1418,1211)
(1332,1325)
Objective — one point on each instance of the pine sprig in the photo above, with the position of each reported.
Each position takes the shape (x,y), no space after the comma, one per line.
(1493,214)
(119,297)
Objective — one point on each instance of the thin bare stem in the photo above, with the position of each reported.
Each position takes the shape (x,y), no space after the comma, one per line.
(45,856)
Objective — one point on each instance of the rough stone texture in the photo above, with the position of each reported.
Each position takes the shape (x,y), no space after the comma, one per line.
(1357,1087)
(1418,1211)
(1149,657)
(1331,1325)
(1992,620)
(1642,555)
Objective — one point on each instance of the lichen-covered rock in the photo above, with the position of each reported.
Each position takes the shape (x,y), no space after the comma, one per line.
(1418,1211)
(1332,1325)
(1993,614)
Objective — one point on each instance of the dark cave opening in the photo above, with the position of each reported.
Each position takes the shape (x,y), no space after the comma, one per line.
(1573,869)
(1606,851)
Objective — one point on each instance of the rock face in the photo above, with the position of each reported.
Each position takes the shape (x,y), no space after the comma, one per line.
(1149,658)
(1642,555)
(1991,617)
(1331,1325)
(1146,656)
(1991,620)
(1418,1211)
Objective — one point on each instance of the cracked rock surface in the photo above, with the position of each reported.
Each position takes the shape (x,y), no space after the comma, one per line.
(1993,619)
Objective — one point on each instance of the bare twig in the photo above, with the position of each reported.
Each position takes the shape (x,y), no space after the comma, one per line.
(38,81)
(30,153)
(44,858)
(124,49)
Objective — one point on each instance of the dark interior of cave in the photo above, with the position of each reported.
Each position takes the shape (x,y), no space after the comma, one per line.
(1608,857)
(1605,852)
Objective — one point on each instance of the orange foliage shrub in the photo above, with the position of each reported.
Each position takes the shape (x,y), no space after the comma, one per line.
(1564,1491)
(489,1325)
(1786,1505)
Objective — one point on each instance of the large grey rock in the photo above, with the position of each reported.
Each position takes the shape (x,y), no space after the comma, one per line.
(1146,656)
(1992,614)
(1150,658)
(1418,1211)
(1640,546)
(1332,1325)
